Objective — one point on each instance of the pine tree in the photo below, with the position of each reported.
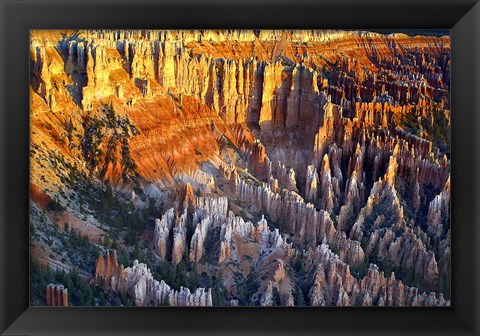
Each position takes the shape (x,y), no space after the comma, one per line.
(101,300)
(299,300)
(106,241)
(111,116)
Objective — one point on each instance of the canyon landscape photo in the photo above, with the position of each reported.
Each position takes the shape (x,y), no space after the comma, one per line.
(240,168)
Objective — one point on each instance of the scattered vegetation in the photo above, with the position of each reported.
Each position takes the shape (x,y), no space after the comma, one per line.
(79,292)
(246,288)
(436,125)
(108,132)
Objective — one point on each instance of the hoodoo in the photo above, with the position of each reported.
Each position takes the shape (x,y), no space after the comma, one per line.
(240,168)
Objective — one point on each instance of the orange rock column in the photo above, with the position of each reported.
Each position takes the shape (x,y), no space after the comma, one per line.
(48,295)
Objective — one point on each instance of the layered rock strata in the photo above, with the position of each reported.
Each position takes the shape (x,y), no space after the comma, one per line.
(265,147)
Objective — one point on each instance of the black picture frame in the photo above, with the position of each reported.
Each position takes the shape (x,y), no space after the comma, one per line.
(18,17)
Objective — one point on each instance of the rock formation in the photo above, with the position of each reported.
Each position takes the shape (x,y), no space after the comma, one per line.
(138,282)
(334,285)
(274,164)
(107,268)
(56,295)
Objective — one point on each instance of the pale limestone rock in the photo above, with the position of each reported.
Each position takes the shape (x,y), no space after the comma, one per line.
(161,232)
(145,290)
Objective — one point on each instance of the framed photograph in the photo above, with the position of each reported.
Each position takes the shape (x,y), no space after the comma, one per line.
(253,168)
